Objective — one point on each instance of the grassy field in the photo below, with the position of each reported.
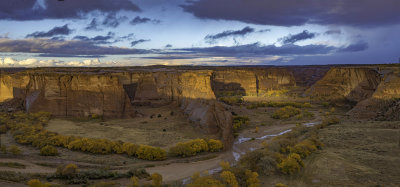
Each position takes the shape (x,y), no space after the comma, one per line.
(355,154)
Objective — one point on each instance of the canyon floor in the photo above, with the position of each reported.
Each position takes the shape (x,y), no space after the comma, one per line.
(356,153)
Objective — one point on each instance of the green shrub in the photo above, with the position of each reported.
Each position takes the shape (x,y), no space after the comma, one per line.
(13,176)
(105,184)
(232,100)
(12,165)
(3,149)
(48,150)
(141,173)
(67,171)
(238,121)
(14,150)
(278,104)
(285,112)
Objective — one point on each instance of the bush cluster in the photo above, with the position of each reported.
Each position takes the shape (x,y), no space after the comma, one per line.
(284,153)
(192,147)
(230,176)
(28,129)
(146,152)
(71,173)
(67,171)
(14,150)
(278,104)
(37,183)
(291,164)
(232,100)
(238,121)
(286,112)
(48,150)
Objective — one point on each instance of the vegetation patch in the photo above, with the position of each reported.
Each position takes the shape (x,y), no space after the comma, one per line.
(29,129)
(192,147)
(238,122)
(232,100)
(278,104)
(12,165)
(285,112)
(284,154)
(48,150)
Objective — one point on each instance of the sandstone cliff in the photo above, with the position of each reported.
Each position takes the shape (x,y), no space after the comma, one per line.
(384,103)
(116,94)
(352,84)
(251,81)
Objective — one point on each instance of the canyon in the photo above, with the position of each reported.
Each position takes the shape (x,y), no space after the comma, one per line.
(117,92)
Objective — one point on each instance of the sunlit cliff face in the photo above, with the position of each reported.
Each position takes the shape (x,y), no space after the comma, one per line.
(130,32)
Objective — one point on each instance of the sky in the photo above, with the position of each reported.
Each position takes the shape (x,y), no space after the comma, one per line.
(37,33)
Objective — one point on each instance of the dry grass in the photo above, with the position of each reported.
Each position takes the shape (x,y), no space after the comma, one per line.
(356,154)
(156,128)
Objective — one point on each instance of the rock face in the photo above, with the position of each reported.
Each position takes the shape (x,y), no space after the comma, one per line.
(78,95)
(384,103)
(352,84)
(115,95)
(251,81)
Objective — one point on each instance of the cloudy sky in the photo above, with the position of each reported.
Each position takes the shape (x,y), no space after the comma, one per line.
(198,32)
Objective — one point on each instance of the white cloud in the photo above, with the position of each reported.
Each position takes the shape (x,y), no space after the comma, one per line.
(32,62)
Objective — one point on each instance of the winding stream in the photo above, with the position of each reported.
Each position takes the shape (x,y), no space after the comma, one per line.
(239,148)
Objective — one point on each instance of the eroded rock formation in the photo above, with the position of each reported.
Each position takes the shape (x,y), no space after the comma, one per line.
(352,84)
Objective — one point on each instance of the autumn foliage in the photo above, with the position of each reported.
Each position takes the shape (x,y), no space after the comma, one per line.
(192,147)
(29,129)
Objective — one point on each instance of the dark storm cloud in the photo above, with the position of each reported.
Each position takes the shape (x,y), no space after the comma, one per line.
(330,32)
(111,20)
(258,49)
(299,12)
(305,35)
(213,38)
(72,47)
(138,42)
(140,20)
(63,30)
(356,47)
(97,39)
(26,9)
(70,55)
(93,25)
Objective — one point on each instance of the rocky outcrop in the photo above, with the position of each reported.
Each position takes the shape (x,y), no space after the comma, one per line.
(190,89)
(352,84)
(384,102)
